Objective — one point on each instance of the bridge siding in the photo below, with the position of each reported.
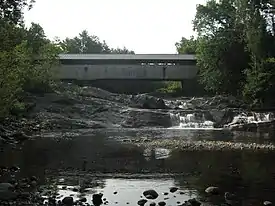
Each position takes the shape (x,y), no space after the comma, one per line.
(126,66)
(157,72)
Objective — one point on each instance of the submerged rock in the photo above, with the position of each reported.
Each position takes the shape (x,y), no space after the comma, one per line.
(162,203)
(191,202)
(173,189)
(97,199)
(83,199)
(150,194)
(142,202)
(68,201)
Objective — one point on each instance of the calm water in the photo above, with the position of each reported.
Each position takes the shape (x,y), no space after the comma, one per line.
(112,166)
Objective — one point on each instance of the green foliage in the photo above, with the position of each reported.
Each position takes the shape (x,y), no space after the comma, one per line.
(11,11)
(26,56)
(171,87)
(235,48)
(89,44)
(187,46)
(122,51)
(259,85)
(222,61)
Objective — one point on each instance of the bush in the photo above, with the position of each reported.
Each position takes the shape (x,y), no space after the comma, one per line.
(260,84)
(171,87)
(21,72)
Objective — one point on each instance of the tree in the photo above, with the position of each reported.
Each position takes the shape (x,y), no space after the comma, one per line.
(26,56)
(221,53)
(235,48)
(122,51)
(11,11)
(258,18)
(186,46)
(89,44)
(84,44)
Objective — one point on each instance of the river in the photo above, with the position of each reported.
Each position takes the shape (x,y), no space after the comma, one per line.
(122,163)
(103,161)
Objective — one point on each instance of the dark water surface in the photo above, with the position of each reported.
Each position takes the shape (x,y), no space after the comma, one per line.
(101,161)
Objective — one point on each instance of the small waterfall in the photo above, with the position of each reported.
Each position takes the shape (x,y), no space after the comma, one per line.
(253,117)
(213,113)
(199,120)
(191,120)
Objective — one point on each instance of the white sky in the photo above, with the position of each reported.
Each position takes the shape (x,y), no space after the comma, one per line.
(145,26)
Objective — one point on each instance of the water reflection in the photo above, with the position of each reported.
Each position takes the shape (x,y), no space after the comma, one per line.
(250,175)
(125,191)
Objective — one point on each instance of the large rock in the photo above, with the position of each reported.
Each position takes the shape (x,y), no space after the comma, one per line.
(147,102)
(221,117)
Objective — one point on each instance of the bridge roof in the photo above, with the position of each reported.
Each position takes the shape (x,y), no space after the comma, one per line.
(127,57)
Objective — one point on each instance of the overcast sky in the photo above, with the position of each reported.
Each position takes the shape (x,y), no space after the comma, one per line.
(145,26)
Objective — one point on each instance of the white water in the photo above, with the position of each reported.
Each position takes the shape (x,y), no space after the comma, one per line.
(254,117)
(191,121)
(198,120)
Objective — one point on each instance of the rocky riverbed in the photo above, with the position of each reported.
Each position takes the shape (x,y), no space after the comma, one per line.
(88,133)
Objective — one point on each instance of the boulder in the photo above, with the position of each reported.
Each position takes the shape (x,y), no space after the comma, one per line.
(221,117)
(148,102)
